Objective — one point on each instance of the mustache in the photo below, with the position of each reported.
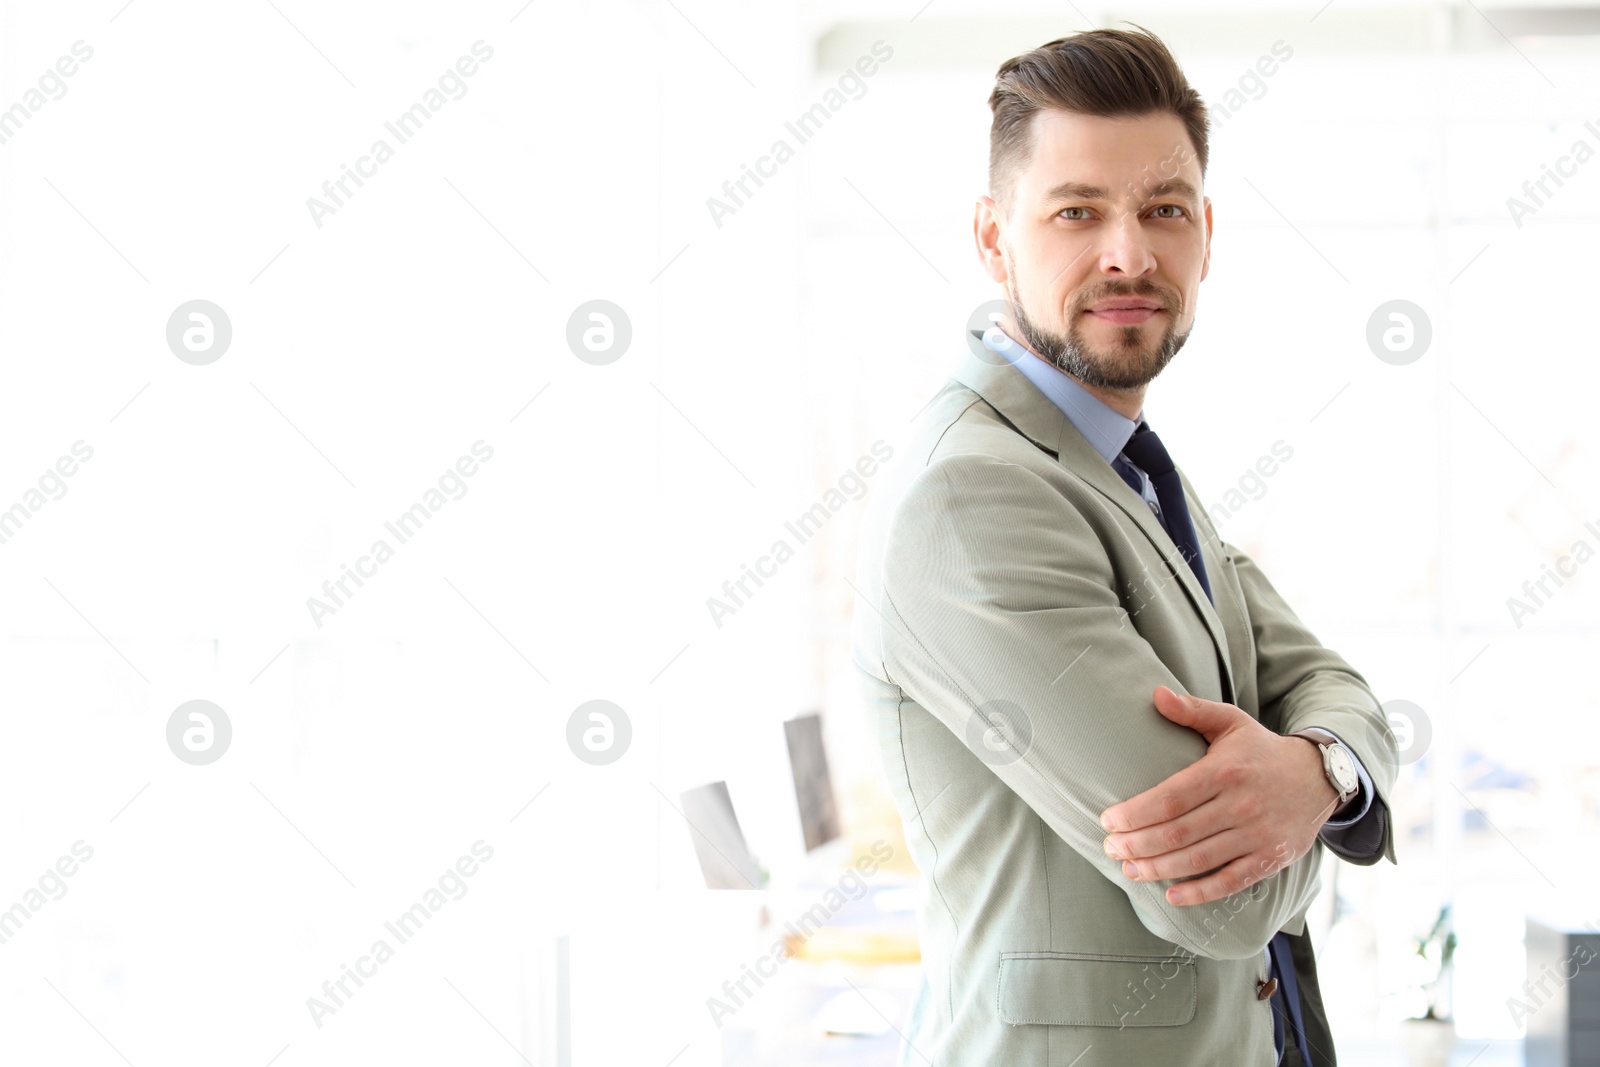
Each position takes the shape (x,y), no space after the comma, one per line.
(1171,301)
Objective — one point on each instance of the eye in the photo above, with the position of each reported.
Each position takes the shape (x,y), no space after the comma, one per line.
(1064,210)
(1174,207)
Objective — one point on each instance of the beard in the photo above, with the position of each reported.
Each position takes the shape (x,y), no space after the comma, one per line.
(1130,362)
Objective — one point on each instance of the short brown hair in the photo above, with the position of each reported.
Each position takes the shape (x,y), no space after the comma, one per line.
(1107,73)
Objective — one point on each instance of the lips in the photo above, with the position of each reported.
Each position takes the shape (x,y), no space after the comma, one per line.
(1126,303)
(1126,310)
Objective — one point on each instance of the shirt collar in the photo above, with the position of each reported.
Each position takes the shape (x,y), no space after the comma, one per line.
(1105,428)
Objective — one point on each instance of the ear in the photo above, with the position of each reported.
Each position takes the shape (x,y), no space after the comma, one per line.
(988,234)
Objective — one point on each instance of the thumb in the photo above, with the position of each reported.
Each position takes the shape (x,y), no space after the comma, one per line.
(1208,718)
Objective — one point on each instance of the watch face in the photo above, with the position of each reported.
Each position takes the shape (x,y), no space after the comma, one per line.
(1344,770)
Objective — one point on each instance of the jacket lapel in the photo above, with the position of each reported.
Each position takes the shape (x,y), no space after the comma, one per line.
(1004,388)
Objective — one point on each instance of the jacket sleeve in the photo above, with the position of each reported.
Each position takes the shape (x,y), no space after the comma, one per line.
(1001,617)
(1356,830)
(1301,684)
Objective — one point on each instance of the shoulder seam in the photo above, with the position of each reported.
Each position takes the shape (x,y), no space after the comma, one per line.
(977,399)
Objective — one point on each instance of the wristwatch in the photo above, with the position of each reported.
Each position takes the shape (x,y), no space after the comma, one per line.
(1337,763)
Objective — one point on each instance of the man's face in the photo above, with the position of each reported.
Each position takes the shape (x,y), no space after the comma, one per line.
(1099,214)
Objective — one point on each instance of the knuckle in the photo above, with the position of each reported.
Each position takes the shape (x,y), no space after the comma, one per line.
(1171,806)
(1172,837)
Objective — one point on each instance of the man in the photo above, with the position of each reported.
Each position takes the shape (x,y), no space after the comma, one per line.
(1118,754)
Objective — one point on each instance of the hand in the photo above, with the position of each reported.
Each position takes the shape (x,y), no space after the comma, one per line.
(1250,806)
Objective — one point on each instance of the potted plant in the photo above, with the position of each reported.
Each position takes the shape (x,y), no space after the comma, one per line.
(1430,1037)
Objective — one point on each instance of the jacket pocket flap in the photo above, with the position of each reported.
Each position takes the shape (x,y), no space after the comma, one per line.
(1087,989)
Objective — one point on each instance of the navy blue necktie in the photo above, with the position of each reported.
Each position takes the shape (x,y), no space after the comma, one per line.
(1145,450)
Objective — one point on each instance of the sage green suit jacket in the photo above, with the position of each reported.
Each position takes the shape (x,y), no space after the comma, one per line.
(1017,604)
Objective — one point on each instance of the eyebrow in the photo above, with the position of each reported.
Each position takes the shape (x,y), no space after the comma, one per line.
(1085,191)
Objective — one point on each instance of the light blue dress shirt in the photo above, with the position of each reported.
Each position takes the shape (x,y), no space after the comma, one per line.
(1350,831)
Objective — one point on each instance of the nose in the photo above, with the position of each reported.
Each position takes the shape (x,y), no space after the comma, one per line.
(1126,250)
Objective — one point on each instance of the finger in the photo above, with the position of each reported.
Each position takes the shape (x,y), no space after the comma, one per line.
(1207,819)
(1169,800)
(1208,854)
(1234,877)
(1209,718)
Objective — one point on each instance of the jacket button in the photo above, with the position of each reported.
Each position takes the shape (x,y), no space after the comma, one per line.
(1266,989)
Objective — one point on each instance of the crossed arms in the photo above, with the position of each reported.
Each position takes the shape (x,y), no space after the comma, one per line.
(1004,621)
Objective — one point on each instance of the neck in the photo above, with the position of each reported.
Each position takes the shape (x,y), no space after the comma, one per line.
(1126,402)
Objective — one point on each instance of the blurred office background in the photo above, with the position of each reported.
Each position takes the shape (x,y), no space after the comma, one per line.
(769,349)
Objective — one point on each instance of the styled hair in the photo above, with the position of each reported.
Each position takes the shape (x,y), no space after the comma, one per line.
(1107,73)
